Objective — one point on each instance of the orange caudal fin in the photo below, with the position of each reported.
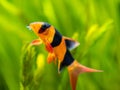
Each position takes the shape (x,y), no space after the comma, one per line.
(75,69)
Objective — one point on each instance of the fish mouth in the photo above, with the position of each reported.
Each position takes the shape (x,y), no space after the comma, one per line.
(29,28)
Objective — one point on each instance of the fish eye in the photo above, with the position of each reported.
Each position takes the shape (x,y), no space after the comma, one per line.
(44,27)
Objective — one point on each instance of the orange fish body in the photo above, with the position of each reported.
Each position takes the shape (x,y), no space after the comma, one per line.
(58,47)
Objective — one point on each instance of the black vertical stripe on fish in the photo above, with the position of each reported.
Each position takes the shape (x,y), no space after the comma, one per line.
(56,39)
(68,59)
(44,27)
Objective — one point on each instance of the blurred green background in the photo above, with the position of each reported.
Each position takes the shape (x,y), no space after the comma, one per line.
(94,23)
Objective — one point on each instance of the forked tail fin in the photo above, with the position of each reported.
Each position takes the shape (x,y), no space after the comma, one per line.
(75,69)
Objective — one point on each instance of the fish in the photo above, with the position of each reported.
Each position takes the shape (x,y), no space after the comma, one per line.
(59,47)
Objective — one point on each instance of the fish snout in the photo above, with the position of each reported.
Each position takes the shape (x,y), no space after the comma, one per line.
(28,27)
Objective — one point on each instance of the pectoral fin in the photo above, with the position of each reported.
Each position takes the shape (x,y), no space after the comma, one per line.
(36,42)
(49,48)
(70,43)
(51,57)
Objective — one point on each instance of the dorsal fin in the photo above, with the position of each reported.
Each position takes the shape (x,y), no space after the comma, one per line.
(70,43)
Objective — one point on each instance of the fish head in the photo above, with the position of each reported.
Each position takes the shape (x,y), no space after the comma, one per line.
(41,29)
